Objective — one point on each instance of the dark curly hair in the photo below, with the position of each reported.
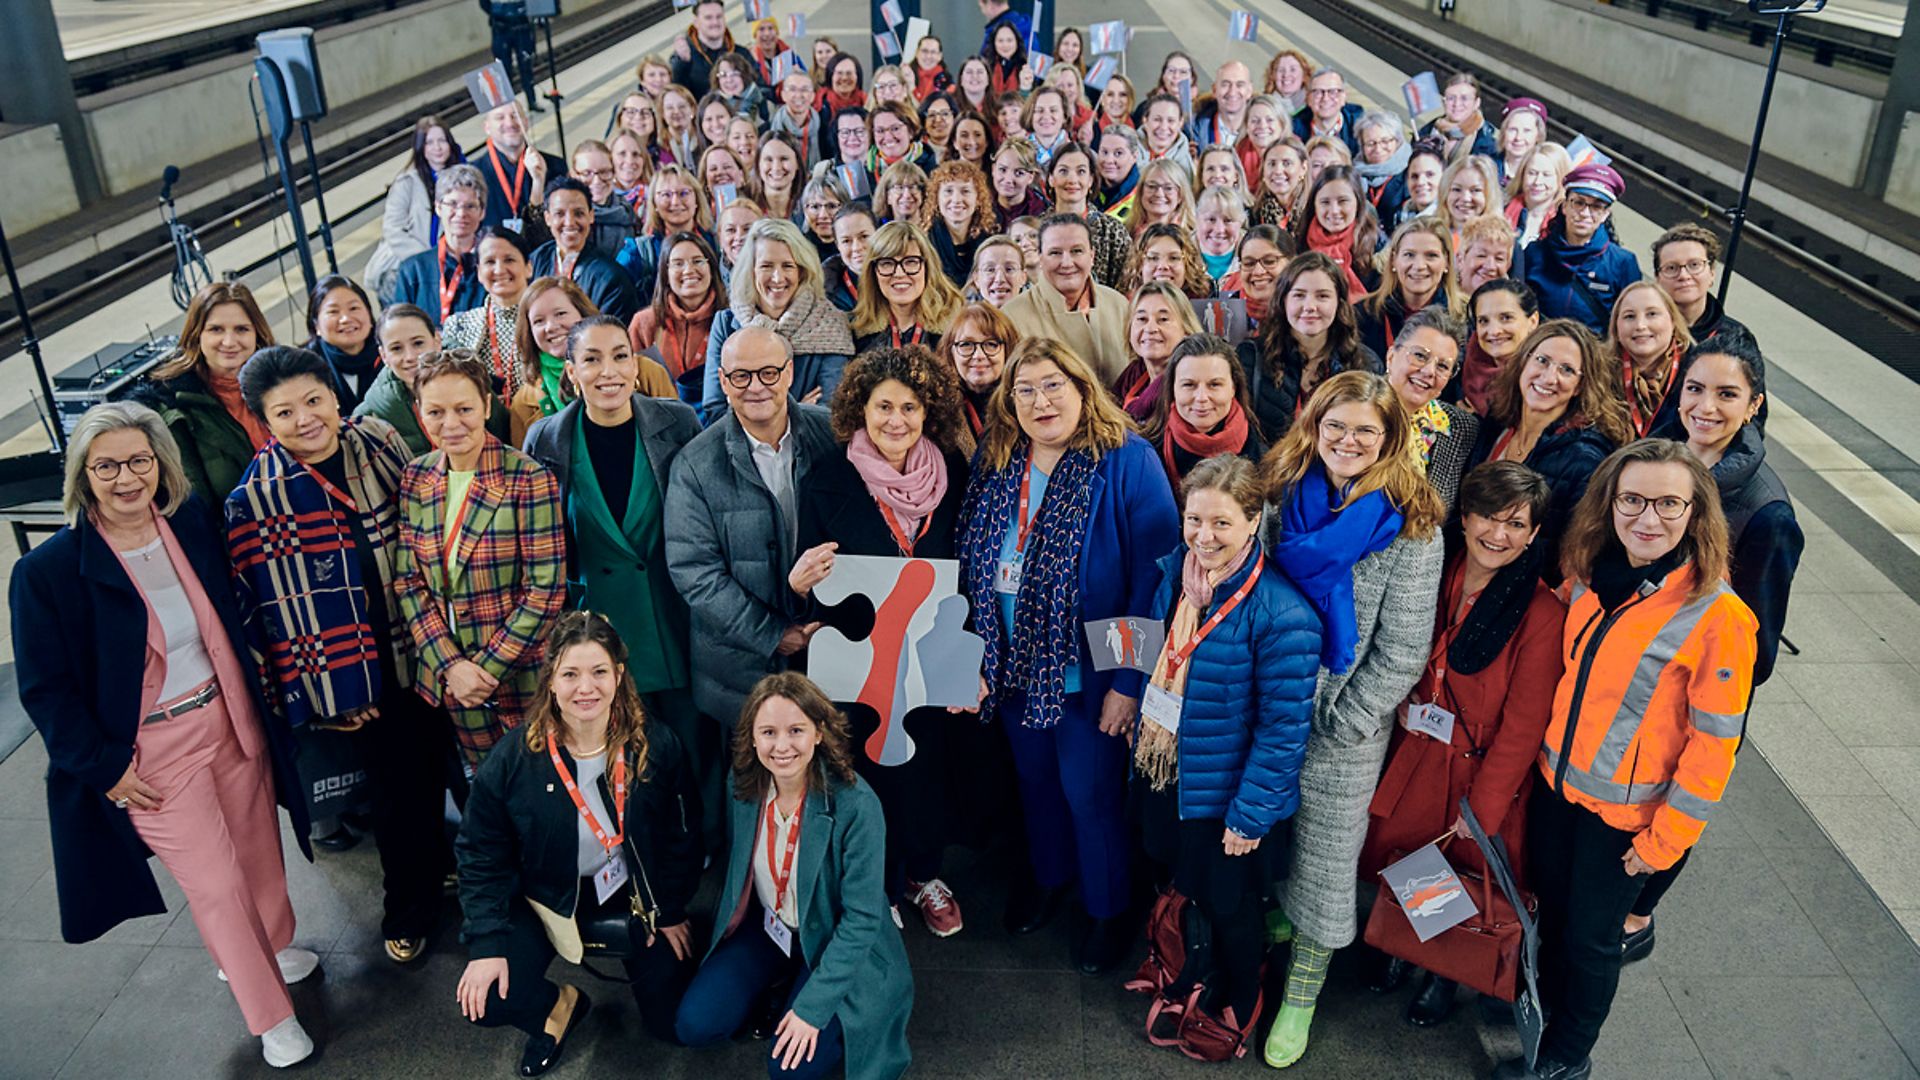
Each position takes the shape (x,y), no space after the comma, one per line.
(832,756)
(919,370)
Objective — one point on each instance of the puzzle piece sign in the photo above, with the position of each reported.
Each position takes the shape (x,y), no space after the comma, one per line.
(919,652)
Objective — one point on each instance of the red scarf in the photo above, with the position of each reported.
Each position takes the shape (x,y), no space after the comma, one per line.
(1228,439)
(1338,247)
(1256,309)
(683,335)
(764,61)
(226,388)
(833,103)
(929,80)
(1477,373)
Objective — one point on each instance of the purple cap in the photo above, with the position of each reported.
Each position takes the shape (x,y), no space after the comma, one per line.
(1599,181)
(1525,104)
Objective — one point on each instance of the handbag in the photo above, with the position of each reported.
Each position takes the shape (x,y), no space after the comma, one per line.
(1193,1031)
(1482,953)
(604,931)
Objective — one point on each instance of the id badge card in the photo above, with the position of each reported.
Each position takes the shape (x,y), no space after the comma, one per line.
(778,931)
(1006,578)
(608,879)
(1431,720)
(514,223)
(1162,707)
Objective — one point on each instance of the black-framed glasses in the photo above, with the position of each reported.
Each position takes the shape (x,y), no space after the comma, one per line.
(741,378)
(1666,507)
(910,265)
(970,349)
(107,470)
(1691,268)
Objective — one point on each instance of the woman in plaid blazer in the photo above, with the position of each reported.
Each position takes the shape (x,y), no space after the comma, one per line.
(481,573)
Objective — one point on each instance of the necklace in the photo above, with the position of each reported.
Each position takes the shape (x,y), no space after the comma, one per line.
(595,752)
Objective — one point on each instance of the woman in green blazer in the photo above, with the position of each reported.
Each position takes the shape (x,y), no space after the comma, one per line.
(804,899)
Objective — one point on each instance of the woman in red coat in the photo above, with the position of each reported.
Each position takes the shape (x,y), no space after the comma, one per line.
(1474,721)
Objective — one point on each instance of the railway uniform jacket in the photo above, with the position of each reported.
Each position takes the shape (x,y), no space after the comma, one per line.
(506,587)
(1394,596)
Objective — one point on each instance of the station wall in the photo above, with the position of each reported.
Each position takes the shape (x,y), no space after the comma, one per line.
(39,187)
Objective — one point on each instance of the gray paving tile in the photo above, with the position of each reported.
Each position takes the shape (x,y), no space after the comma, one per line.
(1863,704)
(1909,919)
(982,1023)
(51,995)
(26,851)
(1896,1001)
(1788,1027)
(1723,889)
(1758,802)
(1878,838)
(1853,921)
(1644,1024)
(1897,769)
(1828,629)
(1894,616)
(1835,564)
(1806,753)
(23,788)
(36,915)
(173,1019)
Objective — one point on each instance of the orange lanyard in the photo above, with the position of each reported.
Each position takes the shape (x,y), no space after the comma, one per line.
(1026,523)
(493,347)
(1177,658)
(781,871)
(449,288)
(900,536)
(915,335)
(519,177)
(327,486)
(1437,663)
(564,265)
(1500,444)
(610,843)
(452,542)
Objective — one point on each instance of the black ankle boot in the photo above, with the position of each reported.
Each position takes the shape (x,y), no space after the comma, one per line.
(1433,1003)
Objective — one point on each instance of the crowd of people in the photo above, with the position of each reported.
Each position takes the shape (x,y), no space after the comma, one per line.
(1437,500)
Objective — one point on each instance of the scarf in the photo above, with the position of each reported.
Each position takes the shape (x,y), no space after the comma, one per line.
(355,370)
(1491,621)
(1374,177)
(1117,200)
(1432,421)
(1477,372)
(682,335)
(1156,752)
(1319,547)
(930,80)
(553,373)
(913,492)
(300,585)
(226,389)
(1269,210)
(1045,640)
(1217,265)
(1615,580)
(834,103)
(1228,438)
(1468,129)
(811,324)
(1256,309)
(1338,247)
(1645,393)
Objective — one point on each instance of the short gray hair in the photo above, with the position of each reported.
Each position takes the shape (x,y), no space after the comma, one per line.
(461,177)
(824,185)
(76,493)
(1130,136)
(740,289)
(1378,118)
(1437,319)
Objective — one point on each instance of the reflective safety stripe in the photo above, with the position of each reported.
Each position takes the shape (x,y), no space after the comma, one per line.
(1623,794)
(1719,725)
(1692,805)
(1646,678)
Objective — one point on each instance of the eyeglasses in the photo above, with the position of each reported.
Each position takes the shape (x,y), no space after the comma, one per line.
(740,378)
(1052,390)
(1161,188)
(1270,262)
(635,110)
(910,265)
(1666,507)
(596,174)
(667,194)
(1424,359)
(1691,268)
(452,206)
(1334,431)
(988,346)
(1324,92)
(677,266)
(1577,205)
(107,470)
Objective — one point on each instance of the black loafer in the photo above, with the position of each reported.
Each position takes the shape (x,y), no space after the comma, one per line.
(1105,943)
(543,1050)
(1032,907)
(340,839)
(1544,1069)
(1433,1003)
(1385,974)
(1637,945)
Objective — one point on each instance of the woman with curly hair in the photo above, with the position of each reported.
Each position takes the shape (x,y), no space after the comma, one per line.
(895,492)
(903,298)
(1167,253)
(963,216)
(797,803)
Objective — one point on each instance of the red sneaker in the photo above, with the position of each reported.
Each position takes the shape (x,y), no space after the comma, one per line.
(938,909)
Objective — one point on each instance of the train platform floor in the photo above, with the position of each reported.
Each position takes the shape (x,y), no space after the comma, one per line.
(1788,949)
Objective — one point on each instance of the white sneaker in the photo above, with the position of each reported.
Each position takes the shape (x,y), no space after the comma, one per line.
(295,964)
(287,1044)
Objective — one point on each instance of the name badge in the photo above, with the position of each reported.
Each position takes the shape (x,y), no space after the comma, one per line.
(1162,707)
(608,879)
(778,931)
(1006,578)
(1431,720)
(514,223)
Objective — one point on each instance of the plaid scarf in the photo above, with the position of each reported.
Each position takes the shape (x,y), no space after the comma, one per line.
(1046,616)
(297,571)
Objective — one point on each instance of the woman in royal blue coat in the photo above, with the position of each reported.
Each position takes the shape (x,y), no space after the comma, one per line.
(1224,728)
(1066,513)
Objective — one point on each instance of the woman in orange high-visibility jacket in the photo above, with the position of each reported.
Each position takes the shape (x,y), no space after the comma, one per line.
(1659,668)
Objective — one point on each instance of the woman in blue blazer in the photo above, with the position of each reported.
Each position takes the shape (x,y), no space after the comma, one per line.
(1066,513)
(1224,727)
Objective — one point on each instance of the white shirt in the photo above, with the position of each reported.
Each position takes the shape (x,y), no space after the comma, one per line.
(775,464)
(763,872)
(188,664)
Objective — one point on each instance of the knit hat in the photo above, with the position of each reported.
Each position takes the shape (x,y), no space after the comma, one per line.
(1598,181)
(1525,104)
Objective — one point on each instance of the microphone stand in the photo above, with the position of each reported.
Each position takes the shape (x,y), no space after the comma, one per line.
(32,343)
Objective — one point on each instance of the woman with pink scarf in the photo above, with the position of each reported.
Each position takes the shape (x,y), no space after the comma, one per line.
(896,493)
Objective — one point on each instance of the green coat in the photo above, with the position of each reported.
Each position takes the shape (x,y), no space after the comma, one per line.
(392,400)
(860,972)
(214,448)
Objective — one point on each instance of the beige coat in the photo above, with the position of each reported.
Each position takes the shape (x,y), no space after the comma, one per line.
(1098,337)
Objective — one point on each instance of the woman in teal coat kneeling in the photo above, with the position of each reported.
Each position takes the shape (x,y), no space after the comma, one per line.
(805,904)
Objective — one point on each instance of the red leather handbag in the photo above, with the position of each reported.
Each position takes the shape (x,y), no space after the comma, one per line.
(1482,953)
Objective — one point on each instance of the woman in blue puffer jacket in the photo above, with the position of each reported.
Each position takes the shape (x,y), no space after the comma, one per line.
(1223,729)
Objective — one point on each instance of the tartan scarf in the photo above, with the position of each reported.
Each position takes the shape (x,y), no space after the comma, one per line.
(1046,616)
(298,576)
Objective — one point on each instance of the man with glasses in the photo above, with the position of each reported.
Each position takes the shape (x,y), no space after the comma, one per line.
(1068,305)
(1327,112)
(1578,268)
(445,281)
(614,222)
(571,254)
(797,115)
(732,522)
(515,172)
(1685,261)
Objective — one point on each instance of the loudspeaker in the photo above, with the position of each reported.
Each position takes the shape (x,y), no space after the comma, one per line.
(292,52)
(273,98)
(543,9)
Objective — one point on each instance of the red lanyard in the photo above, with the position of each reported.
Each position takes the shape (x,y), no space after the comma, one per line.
(900,536)
(493,349)
(915,335)
(1178,657)
(1437,663)
(1500,444)
(519,177)
(782,872)
(452,542)
(1633,400)
(564,264)
(327,486)
(449,288)
(610,843)
(432,443)
(1026,523)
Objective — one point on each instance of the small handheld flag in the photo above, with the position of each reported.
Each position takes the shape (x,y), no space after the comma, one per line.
(796,25)
(1104,69)
(1422,93)
(888,44)
(854,179)
(1583,152)
(1242,26)
(489,87)
(1108,37)
(1039,63)
(759,9)
(890,11)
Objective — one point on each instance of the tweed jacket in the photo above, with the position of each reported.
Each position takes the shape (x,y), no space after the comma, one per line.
(1395,592)
(1452,449)
(488,329)
(506,586)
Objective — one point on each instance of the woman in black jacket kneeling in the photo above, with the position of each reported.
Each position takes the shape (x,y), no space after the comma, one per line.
(540,855)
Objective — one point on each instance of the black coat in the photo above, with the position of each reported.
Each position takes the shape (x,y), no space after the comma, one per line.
(602,279)
(1567,456)
(520,837)
(79,636)
(835,505)
(1274,403)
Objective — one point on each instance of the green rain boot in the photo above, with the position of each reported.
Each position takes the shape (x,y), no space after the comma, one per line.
(1287,1040)
(1279,927)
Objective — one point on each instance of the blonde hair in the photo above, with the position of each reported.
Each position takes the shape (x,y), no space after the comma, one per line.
(702,211)
(1489,180)
(76,490)
(1103,424)
(1375,302)
(1556,156)
(1168,171)
(1173,298)
(938,303)
(1395,474)
(903,174)
(740,288)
